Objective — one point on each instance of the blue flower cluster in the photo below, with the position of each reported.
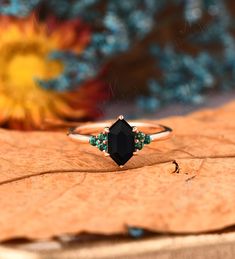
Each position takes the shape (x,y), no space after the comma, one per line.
(117,24)
(115,29)
(185,77)
(18,8)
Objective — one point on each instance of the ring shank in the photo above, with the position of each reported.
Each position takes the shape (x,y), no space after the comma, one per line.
(162,133)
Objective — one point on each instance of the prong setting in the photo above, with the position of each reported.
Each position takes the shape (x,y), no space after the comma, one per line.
(135,129)
(106,153)
(121,117)
(106,130)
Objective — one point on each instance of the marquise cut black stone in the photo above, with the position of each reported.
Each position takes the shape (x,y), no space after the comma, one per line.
(121,142)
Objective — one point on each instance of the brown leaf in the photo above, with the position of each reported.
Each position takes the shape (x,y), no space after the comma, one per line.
(50,185)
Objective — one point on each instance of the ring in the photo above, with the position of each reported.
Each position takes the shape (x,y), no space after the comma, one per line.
(121,140)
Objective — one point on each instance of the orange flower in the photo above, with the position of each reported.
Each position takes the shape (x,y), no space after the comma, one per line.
(24,48)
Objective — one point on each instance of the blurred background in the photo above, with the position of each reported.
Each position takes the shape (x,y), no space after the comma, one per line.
(66,61)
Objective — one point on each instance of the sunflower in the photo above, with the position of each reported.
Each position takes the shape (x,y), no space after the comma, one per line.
(24,48)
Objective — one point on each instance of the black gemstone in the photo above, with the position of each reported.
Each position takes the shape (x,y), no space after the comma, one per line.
(121,142)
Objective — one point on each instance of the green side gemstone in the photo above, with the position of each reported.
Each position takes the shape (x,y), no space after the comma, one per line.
(147,139)
(93,140)
(102,137)
(98,142)
(102,147)
(139,145)
(140,136)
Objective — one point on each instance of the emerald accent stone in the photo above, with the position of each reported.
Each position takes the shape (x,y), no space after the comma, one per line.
(102,147)
(98,142)
(139,145)
(102,136)
(121,142)
(92,140)
(140,136)
(147,139)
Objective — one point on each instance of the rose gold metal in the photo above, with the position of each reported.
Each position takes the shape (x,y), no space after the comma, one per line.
(106,154)
(121,166)
(120,117)
(162,132)
(106,130)
(134,129)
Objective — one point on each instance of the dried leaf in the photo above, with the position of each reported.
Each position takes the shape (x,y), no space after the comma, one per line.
(50,185)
